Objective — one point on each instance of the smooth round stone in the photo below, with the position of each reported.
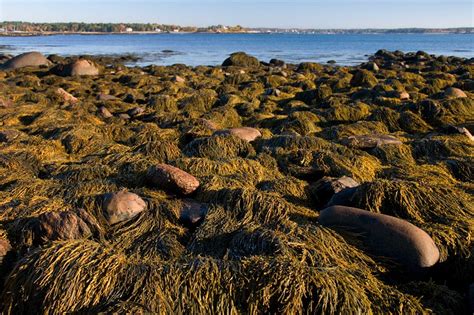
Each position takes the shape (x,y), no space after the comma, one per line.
(454,93)
(386,235)
(172,179)
(66,225)
(81,67)
(29,59)
(245,133)
(122,206)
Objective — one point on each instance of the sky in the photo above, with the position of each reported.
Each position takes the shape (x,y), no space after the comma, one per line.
(249,13)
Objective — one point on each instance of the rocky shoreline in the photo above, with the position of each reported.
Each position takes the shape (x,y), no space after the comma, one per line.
(251,187)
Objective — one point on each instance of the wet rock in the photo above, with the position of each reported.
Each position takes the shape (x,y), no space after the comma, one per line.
(278,63)
(29,59)
(172,179)
(364,78)
(5,103)
(178,79)
(124,116)
(81,67)
(67,97)
(245,133)
(5,247)
(192,212)
(122,206)
(369,141)
(325,188)
(386,235)
(454,93)
(332,61)
(136,111)
(241,59)
(371,66)
(104,112)
(66,225)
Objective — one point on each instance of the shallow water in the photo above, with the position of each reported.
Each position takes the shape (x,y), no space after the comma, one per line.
(212,49)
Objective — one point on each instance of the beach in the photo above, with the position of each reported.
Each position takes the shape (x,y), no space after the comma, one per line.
(245,187)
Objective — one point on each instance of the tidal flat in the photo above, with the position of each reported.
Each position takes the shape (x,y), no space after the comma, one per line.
(253,187)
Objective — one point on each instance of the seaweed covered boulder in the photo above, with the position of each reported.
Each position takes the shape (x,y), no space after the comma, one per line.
(81,67)
(172,179)
(241,59)
(65,225)
(122,206)
(386,235)
(245,133)
(364,78)
(29,59)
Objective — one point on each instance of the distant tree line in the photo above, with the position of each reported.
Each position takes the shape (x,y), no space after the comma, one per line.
(16,26)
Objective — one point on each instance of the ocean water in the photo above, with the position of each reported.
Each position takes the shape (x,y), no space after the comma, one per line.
(212,49)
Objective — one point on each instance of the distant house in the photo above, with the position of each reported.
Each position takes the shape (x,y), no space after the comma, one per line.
(129,29)
(158,30)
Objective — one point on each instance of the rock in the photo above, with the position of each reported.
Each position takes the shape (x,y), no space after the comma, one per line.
(386,235)
(325,188)
(81,67)
(178,79)
(5,103)
(404,95)
(371,66)
(461,130)
(241,59)
(65,225)
(9,135)
(364,78)
(454,93)
(309,67)
(104,112)
(172,179)
(30,59)
(245,133)
(124,116)
(369,141)
(5,247)
(331,62)
(278,63)
(66,96)
(136,111)
(122,206)
(192,212)
(106,97)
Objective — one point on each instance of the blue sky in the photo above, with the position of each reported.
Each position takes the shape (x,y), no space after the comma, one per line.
(253,13)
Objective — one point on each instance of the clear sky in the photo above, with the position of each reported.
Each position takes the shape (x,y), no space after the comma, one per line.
(251,13)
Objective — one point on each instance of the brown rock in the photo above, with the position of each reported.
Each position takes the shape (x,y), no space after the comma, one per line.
(122,206)
(66,225)
(29,59)
(245,133)
(454,93)
(173,179)
(9,135)
(66,96)
(386,235)
(81,67)
(369,141)
(192,212)
(136,111)
(178,79)
(325,188)
(104,112)
(404,95)
(5,103)
(106,97)
(5,247)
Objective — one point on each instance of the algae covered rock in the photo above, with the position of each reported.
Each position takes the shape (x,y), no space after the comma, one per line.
(364,78)
(241,59)
(245,133)
(172,179)
(386,235)
(192,212)
(29,59)
(454,93)
(325,188)
(122,206)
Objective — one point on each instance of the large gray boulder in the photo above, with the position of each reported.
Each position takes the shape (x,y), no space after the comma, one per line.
(29,59)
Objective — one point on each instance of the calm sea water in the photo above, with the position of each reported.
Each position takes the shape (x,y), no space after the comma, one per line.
(212,49)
